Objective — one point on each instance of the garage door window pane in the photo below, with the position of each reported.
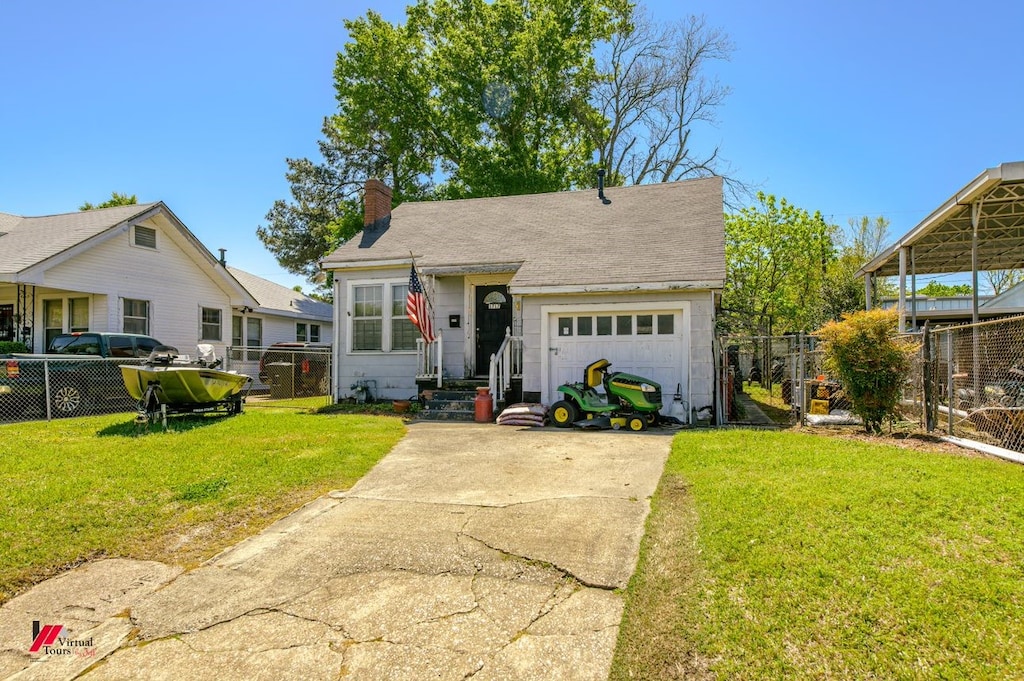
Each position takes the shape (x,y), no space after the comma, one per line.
(565,326)
(604,326)
(666,324)
(585,326)
(624,325)
(645,324)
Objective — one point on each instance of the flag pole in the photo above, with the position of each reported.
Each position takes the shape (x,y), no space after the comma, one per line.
(419,275)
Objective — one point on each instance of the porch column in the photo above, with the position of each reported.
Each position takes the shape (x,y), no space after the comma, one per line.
(901,305)
(867,290)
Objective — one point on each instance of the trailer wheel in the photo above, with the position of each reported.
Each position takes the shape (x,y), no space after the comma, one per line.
(564,414)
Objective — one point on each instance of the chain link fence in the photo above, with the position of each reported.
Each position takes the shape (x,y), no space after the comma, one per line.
(972,382)
(282,372)
(966,381)
(46,388)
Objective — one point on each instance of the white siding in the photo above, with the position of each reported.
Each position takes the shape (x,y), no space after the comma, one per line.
(699,318)
(172,282)
(392,374)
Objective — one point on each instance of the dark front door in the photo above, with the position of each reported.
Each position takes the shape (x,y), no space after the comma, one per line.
(493,316)
(6,322)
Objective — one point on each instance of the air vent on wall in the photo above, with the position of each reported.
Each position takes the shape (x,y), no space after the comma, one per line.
(145,237)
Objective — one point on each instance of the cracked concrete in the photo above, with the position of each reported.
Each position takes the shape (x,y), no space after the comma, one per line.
(469,551)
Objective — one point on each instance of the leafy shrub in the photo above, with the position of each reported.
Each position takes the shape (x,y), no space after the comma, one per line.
(7,347)
(870,361)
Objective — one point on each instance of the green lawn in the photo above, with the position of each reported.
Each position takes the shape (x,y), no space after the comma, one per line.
(787,555)
(81,488)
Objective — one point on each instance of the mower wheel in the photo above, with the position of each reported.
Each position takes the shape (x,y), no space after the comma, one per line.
(564,414)
(652,418)
(636,422)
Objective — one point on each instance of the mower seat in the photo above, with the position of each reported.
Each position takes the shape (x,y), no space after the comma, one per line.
(593,375)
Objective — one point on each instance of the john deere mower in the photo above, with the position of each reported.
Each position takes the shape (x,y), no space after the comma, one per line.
(629,401)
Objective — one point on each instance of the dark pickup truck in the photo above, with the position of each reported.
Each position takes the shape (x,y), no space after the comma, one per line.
(76,370)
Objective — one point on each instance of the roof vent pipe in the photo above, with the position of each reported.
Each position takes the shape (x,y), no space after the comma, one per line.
(223,260)
(600,187)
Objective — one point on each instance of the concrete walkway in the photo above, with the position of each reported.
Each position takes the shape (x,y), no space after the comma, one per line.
(469,551)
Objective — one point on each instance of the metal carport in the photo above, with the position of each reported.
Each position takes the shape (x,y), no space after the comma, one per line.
(979,228)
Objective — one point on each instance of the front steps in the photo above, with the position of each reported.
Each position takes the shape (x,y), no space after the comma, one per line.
(453,401)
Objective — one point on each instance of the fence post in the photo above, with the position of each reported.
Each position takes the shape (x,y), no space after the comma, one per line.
(949,380)
(46,389)
(926,354)
(798,384)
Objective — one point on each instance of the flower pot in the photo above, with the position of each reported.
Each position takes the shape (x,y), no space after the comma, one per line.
(401,406)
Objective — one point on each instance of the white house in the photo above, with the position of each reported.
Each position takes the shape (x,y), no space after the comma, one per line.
(132,269)
(631,274)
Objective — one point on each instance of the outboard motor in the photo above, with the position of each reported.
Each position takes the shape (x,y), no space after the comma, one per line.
(162,355)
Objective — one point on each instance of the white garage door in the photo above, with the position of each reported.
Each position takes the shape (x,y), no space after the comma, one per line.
(645,343)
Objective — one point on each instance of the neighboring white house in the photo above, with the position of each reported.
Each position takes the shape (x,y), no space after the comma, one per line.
(132,269)
(632,275)
(281,315)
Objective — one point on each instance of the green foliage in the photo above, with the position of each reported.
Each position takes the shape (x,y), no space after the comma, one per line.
(870,361)
(776,258)
(114,200)
(935,289)
(473,98)
(7,347)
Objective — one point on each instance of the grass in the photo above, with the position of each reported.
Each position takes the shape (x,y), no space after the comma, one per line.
(770,403)
(81,488)
(788,555)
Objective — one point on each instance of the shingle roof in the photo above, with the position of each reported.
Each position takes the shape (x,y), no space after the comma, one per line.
(277,297)
(29,241)
(661,233)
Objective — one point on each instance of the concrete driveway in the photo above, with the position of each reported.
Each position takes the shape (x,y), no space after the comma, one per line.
(469,550)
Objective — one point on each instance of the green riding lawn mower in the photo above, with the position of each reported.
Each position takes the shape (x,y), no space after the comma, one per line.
(630,402)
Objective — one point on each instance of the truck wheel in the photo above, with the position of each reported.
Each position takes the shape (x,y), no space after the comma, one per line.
(564,414)
(68,400)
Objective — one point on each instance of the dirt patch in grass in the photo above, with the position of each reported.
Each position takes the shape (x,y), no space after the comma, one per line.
(662,594)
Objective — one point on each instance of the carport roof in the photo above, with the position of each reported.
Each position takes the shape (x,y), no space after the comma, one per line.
(942,241)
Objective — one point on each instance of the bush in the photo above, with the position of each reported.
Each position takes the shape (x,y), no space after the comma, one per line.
(870,360)
(7,347)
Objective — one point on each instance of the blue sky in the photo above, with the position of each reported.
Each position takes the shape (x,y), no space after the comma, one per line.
(850,108)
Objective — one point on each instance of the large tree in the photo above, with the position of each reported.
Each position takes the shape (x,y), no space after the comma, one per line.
(655,91)
(776,258)
(475,98)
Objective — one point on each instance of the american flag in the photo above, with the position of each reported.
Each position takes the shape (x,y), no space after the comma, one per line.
(416,307)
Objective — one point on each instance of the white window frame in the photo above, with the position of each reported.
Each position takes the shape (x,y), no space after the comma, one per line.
(203,324)
(386,317)
(301,332)
(148,317)
(314,333)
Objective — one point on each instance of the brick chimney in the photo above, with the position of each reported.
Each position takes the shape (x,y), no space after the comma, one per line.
(376,201)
